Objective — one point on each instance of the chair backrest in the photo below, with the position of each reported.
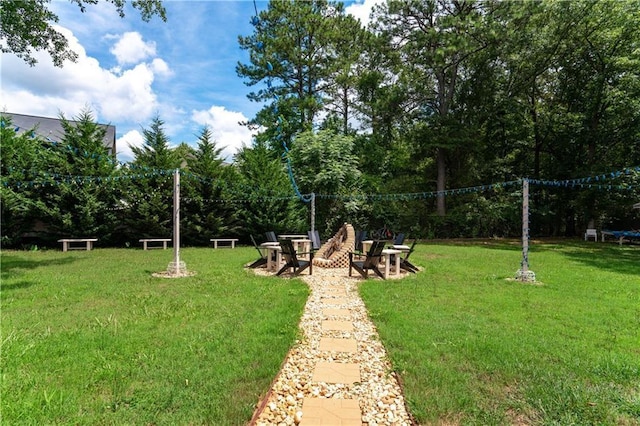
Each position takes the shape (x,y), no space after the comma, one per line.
(592,232)
(253,240)
(410,249)
(315,239)
(374,254)
(271,236)
(399,239)
(289,253)
(360,237)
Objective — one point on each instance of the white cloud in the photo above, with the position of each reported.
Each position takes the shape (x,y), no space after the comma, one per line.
(119,98)
(131,49)
(362,10)
(124,144)
(228,134)
(161,68)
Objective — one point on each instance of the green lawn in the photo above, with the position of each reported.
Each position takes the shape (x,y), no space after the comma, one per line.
(472,347)
(93,338)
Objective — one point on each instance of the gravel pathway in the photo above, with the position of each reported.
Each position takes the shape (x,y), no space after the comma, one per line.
(338,361)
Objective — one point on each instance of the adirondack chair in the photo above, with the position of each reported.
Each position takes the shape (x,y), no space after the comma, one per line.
(404,261)
(291,259)
(397,241)
(315,240)
(271,237)
(370,262)
(360,237)
(262,260)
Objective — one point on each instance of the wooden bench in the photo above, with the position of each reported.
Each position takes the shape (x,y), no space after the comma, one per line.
(232,242)
(145,243)
(72,243)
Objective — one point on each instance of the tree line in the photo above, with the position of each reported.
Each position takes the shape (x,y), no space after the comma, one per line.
(432,96)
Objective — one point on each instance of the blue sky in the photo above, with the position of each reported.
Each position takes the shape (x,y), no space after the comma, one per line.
(129,70)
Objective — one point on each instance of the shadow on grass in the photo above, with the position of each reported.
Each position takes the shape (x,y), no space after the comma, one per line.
(12,267)
(606,256)
(621,260)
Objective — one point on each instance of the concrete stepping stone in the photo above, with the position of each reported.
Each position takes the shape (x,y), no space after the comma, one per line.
(336,372)
(334,301)
(338,345)
(336,312)
(331,412)
(337,325)
(334,293)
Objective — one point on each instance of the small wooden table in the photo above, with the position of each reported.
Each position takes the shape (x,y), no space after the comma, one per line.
(232,242)
(292,236)
(271,250)
(302,245)
(366,245)
(145,243)
(68,243)
(386,254)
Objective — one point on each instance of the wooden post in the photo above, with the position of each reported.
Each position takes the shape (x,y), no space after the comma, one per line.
(524,274)
(313,212)
(525,225)
(176,221)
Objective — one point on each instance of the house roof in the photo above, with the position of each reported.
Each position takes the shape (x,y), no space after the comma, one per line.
(51,129)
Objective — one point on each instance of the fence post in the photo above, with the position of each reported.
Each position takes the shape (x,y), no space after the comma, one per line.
(524,274)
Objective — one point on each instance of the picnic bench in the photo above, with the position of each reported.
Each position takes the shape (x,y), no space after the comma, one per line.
(232,242)
(146,243)
(77,243)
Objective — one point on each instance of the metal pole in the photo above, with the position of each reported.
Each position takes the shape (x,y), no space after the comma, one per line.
(176,221)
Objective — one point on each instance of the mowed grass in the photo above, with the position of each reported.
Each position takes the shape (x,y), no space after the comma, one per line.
(473,348)
(94,338)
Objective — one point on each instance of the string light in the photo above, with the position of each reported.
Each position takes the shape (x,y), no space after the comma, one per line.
(144,172)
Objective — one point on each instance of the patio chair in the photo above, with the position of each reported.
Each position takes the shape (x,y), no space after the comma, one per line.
(360,237)
(404,261)
(262,260)
(271,237)
(370,262)
(291,258)
(398,240)
(591,233)
(315,240)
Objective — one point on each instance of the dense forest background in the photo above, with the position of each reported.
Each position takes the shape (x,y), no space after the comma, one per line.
(425,122)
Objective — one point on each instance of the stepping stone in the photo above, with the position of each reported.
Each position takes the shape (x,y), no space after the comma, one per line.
(337,312)
(334,293)
(336,372)
(338,345)
(337,325)
(331,411)
(334,301)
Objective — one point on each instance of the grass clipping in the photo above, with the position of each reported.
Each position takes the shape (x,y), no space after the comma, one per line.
(175,271)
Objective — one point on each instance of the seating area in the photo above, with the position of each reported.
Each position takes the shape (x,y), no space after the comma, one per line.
(619,236)
(296,253)
(271,251)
